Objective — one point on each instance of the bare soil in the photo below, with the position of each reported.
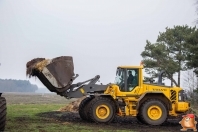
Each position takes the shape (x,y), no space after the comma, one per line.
(65,117)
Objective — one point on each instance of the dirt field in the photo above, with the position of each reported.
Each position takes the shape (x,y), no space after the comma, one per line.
(30,98)
(127,124)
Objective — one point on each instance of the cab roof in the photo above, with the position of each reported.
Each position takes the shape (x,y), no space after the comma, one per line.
(129,66)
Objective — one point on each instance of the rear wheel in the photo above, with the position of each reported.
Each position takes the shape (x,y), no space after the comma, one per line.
(153,112)
(2,113)
(101,110)
(140,119)
(82,108)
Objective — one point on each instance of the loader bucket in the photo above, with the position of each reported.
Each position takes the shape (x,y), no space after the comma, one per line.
(56,74)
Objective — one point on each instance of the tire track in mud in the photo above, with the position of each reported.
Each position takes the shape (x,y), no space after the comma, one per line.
(119,123)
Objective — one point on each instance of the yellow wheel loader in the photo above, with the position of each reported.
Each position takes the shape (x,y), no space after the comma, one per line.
(129,95)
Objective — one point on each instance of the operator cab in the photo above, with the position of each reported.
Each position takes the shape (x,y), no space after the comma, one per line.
(127,78)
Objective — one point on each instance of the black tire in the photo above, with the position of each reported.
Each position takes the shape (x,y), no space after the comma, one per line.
(82,108)
(101,104)
(159,107)
(140,119)
(87,107)
(2,113)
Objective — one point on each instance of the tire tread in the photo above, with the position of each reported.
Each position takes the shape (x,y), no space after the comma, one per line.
(82,108)
(2,113)
(142,111)
(98,99)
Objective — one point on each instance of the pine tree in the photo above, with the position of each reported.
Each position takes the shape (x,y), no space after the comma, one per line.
(192,54)
(168,53)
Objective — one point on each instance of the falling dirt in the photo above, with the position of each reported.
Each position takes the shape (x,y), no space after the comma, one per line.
(73,106)
(57,74)
(31,65)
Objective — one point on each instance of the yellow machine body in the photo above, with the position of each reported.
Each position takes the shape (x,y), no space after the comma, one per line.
(151,103)
(144,91)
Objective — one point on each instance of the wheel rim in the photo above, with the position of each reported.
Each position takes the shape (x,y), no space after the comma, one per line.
(102,111)
(154,112)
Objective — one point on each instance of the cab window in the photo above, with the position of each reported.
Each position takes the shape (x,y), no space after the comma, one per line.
(132,79)
(127,79)
(120,79)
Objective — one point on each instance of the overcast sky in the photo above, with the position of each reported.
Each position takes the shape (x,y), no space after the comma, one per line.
(99,34)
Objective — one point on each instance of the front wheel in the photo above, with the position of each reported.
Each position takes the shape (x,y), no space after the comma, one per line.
(101,110)
(2,113)
(82,108)
(153,112)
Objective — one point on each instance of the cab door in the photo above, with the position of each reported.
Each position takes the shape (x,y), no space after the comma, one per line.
(132,79)
(129,79)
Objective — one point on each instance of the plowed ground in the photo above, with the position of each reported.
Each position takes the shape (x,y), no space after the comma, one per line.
(125,123)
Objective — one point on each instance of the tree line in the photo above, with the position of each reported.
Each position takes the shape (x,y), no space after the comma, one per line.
(11,85)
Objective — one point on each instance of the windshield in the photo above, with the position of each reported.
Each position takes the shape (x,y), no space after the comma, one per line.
(127,79)
(119,77)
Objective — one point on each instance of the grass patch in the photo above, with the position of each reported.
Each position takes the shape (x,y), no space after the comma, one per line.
(24,118)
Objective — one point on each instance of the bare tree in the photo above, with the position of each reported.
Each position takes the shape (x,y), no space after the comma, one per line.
(191,84)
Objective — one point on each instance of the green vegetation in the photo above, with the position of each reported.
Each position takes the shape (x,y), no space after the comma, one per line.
(171,52)
(175,51)
(11,85)
(194,110)
(27,117)
(24,118)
